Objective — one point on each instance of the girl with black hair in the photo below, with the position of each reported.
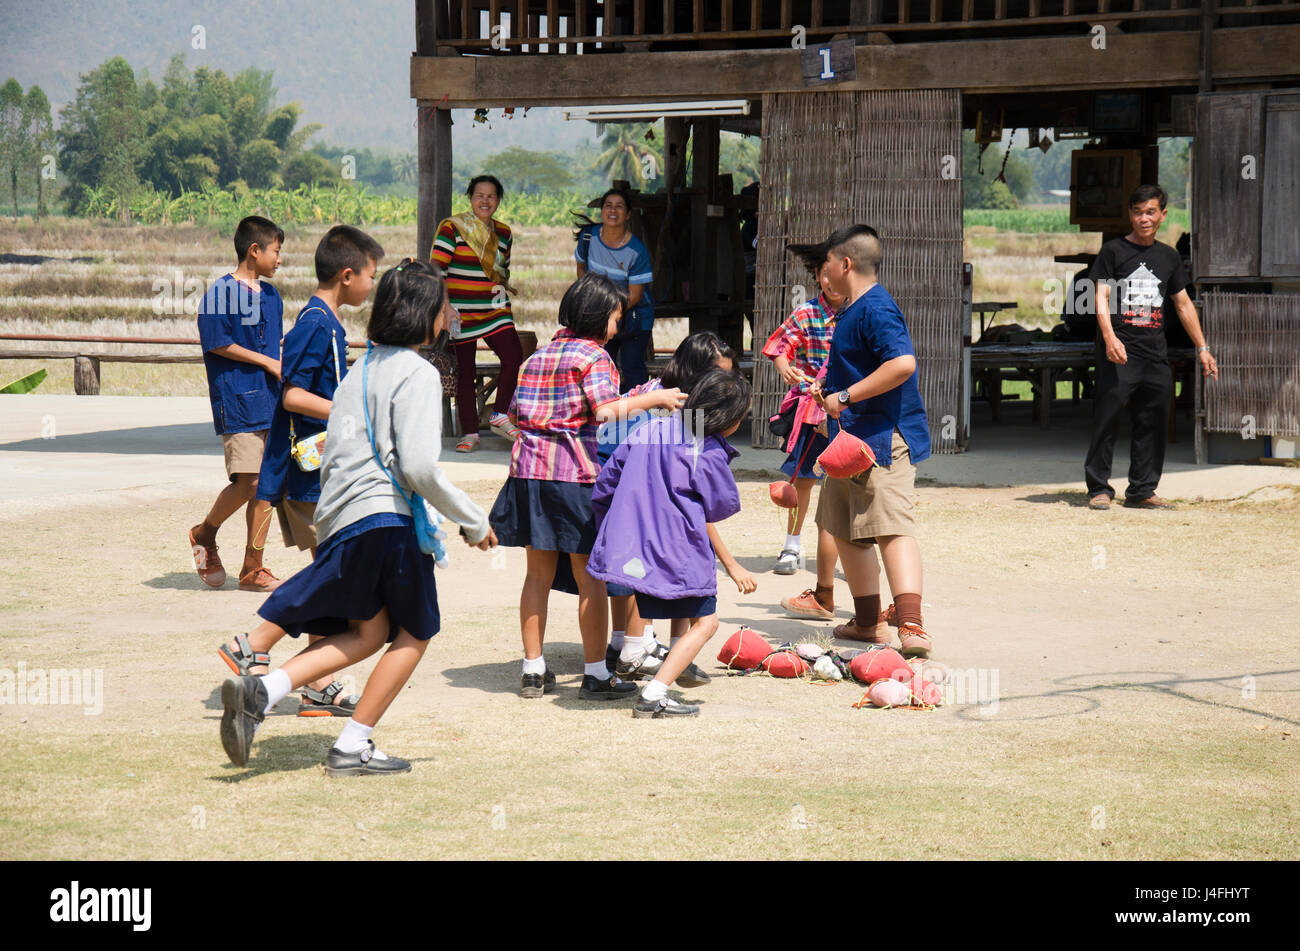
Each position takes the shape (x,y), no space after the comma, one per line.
(657,501)
(370,582)
(565,389)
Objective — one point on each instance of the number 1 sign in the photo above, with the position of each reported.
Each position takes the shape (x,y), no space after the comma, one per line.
(833,62)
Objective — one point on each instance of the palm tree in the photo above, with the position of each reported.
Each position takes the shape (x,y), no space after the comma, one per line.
(625,147)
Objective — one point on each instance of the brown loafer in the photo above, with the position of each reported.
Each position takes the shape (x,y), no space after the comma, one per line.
(207,563)
(1100,501)
(850,631)
(260,580)
(1150,502)
(915,642)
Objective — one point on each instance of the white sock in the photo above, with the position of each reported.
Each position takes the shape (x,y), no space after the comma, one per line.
(616,640)
(632,651)
(597,670)
(278,686)
(648,641)
(794,542)
(354,738)
(654,690)
(649,629)
(535,665)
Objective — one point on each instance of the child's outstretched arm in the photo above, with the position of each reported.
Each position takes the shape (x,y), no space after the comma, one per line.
(744,580)
(625,406)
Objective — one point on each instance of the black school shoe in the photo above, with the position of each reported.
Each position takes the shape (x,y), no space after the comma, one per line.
(692,676)
(609,689)
(534,685)
(363,763)
(244,700)
(664,707)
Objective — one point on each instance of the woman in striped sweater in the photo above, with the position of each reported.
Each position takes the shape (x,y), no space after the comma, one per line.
(473,249)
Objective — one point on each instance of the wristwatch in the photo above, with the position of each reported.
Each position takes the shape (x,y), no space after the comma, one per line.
(1200,350)
(844,397)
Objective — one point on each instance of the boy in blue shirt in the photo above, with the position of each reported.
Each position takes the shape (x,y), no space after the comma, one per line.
(870,391)
(240,322)
(313,364)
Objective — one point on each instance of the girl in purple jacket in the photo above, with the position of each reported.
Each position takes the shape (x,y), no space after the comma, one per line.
(655,503)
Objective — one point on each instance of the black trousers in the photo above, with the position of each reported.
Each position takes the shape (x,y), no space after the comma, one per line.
(1146,385)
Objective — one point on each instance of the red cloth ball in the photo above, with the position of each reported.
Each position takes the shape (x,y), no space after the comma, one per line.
(743,650)
(877,664)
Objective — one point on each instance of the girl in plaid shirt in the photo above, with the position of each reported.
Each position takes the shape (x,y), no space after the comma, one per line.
(565,390)
(799,349)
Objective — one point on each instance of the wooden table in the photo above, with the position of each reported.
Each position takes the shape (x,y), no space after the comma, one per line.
(991,307)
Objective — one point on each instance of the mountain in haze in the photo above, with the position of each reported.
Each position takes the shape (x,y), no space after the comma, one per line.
(348,64)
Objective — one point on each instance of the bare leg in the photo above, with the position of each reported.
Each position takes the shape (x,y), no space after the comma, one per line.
(389,677)
(621,607)
(803,490)
(827,556)
(902,558)
(593,603)
(861,568)
(635,623)
(234,496)
(535,597)
(687,648)
(259,521)
(337,651)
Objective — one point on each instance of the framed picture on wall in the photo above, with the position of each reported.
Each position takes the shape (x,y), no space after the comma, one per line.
(1100,182)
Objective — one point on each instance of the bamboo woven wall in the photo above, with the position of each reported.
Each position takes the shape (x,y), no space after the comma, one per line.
(1256,341)
(835,158)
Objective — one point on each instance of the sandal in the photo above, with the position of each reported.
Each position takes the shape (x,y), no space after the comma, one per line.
(243,656)
(320,703)
(468,443)
(501,426)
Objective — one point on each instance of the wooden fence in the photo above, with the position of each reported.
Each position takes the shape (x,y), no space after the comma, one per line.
(1256,341)
(888,159)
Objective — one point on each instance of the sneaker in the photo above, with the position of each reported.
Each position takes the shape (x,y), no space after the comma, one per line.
(260,580)
(692,676)
(806,605)
(1150,502)
(534,685)
(501,426)
(1100,502)
(207,563)
(244,701)
(788,561)
(610,689)
(666,707)
(915,642)
(367,762)
(850,631)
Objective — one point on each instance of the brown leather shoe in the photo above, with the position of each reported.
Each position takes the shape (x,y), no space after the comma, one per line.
(1150,502)
(207,563)
(1100,501)
(850,631)
(915,642)
(260,580)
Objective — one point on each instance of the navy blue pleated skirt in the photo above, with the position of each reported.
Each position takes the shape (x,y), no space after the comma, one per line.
(660,609)
(354,577)
(808,453)
(544,514)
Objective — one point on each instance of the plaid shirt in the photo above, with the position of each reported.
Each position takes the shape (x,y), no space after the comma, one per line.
(560,387)
(804,338)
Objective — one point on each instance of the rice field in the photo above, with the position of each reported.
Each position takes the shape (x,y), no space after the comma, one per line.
(146,280)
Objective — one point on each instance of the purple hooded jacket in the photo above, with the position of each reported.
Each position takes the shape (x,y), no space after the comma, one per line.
(652,501)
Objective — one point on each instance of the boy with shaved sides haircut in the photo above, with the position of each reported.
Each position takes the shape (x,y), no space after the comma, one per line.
(870,391)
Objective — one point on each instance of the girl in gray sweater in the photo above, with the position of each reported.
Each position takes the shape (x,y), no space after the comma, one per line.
(370,583)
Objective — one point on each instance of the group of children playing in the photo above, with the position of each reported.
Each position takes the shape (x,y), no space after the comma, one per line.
(613,495)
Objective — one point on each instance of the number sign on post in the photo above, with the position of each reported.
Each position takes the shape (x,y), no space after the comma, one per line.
(833,62)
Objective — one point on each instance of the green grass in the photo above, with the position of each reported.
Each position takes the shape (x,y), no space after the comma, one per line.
(1044,220)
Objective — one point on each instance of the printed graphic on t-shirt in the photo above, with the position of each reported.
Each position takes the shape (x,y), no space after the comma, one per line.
(1140,299)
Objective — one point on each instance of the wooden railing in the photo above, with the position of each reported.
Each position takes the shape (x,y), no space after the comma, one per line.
(553,27)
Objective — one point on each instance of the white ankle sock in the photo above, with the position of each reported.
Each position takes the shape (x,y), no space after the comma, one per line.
(354,738)
(654,690)
(794,541)
(597,670)
(632,651)
(616,640)
(535,665)
(649,629)
(278,686)
(648,641)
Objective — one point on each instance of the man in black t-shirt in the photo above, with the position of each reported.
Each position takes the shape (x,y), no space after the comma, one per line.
(1136,277)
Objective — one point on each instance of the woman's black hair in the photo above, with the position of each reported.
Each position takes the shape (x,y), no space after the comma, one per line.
(407,304)
(491,180)
(583,221)
(813,256)
(587,304)
(694,357)
(719,401)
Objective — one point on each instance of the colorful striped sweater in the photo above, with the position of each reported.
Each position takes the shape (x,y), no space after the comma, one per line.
(483,306)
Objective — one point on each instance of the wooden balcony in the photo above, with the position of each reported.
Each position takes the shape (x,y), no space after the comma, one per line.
(552,27)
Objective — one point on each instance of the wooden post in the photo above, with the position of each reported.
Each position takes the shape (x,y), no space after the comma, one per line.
(433,202)
(1209,14)
(864,11)
(706,132)
(85,376)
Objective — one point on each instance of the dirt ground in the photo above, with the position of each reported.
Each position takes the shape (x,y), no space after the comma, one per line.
(1146,703)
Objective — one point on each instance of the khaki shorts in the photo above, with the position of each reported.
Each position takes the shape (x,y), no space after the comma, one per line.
(244,452)
(876,503)
(297,523)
